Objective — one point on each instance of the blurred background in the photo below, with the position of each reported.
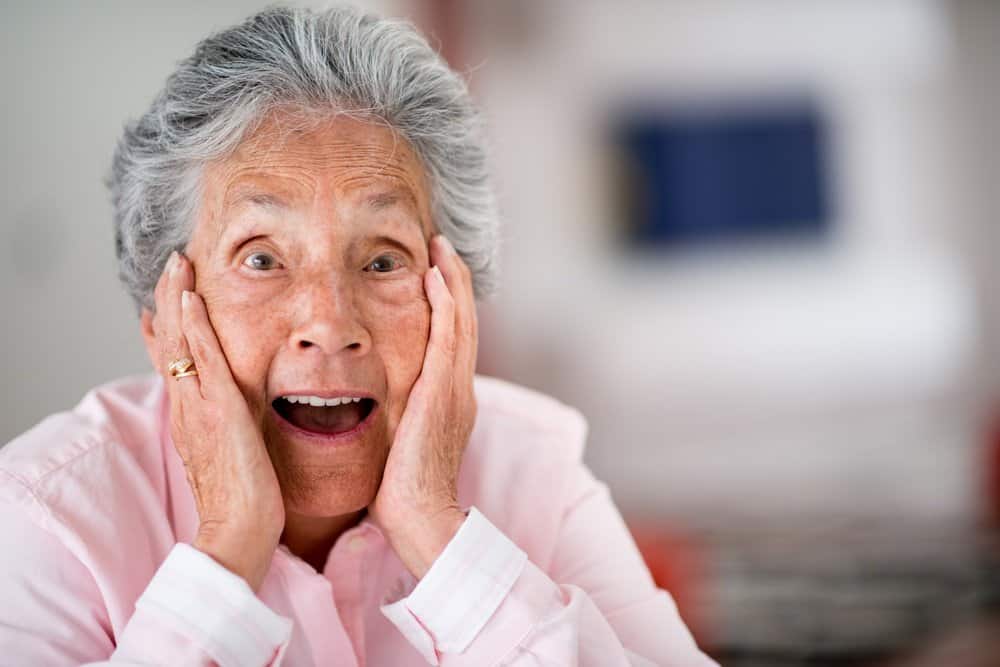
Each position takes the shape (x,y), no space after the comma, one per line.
(753,242)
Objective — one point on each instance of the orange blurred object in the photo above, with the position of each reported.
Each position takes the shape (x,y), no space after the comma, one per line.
(677,565)
(992,474)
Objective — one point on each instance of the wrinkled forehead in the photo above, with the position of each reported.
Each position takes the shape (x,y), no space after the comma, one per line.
(287,164)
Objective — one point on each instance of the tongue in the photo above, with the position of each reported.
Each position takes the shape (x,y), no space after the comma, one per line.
(325,419)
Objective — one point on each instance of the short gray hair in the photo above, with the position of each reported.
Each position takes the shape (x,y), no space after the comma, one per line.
(338,60)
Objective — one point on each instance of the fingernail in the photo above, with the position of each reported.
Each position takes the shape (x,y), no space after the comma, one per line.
(437,272)
(171,261)
(185,299)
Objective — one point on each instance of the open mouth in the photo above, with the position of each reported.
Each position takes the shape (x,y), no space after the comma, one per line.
(324,416)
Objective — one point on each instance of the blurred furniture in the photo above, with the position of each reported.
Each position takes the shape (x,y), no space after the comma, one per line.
(851,595)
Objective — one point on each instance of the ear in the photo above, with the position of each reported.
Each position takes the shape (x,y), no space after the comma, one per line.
(149,337)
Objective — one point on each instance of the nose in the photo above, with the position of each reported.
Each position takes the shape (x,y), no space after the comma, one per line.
(328,321)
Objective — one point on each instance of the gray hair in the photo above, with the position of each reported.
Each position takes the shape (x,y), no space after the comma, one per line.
(335,61)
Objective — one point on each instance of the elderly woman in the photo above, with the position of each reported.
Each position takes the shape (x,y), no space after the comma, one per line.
(315,476)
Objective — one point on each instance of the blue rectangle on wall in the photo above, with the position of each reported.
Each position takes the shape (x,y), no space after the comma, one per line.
(695,179)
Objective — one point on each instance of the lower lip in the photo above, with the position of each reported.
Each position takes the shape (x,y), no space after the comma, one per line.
(327,439)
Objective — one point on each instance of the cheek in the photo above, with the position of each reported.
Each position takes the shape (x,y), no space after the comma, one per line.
(247,329)
(399,320)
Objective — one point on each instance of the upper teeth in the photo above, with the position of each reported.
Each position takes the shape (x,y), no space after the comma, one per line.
(317,401)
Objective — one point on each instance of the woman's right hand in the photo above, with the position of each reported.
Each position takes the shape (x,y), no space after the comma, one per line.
(235,488)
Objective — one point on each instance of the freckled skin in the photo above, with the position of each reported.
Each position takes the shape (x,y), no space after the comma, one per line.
(322,317)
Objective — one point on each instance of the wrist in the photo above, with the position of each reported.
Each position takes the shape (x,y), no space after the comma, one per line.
(246,560)
(420,540)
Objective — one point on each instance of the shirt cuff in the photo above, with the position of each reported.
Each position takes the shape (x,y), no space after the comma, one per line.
(216,608)
(461,590)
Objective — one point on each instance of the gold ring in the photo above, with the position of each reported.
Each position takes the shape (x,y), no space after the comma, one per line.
(181,368)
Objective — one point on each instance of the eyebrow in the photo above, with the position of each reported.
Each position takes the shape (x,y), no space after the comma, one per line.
(247,194)
(377,201)
(388,198)
(257,198)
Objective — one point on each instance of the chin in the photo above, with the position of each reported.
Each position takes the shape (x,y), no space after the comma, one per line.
(327,493)
(328,481)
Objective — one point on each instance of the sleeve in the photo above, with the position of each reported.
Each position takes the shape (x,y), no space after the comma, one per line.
(483,602)
(193,612)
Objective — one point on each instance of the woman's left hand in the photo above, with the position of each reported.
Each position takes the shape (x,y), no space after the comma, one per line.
(417,502)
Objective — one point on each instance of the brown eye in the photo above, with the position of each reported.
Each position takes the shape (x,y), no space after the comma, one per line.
(383,264)
(260,261)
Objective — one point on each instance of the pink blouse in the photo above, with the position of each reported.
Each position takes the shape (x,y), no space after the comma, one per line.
(96,521)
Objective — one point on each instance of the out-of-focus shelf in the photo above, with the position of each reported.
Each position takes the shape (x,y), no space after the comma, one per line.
(844,595)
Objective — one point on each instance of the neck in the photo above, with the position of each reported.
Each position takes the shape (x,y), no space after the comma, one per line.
(311,537)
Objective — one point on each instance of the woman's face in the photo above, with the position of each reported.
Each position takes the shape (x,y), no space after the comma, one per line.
(309,252)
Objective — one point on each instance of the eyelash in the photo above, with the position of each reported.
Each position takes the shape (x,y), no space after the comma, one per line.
(396,262)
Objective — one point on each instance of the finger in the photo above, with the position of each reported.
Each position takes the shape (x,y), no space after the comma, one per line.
(159,307)
(459,281)
(158,297)
(215,377)
(440,356)
(174,345)
(161,284)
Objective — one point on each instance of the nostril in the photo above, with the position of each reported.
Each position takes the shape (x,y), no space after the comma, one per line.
(308,343)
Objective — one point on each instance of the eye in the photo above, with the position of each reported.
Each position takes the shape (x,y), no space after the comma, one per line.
(260,261)
(383,264)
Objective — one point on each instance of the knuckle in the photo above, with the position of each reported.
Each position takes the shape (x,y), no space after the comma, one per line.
(158,328)
(172,344)
(199,346)
(450,343)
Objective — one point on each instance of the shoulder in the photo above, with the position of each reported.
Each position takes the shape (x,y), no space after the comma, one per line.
(114,419)
(87,488)
(528,419)
(95,473)
(523,454)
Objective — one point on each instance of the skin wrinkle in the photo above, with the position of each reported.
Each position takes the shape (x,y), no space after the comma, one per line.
(367,331)
(299,166)
(302,122)
(245,195)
